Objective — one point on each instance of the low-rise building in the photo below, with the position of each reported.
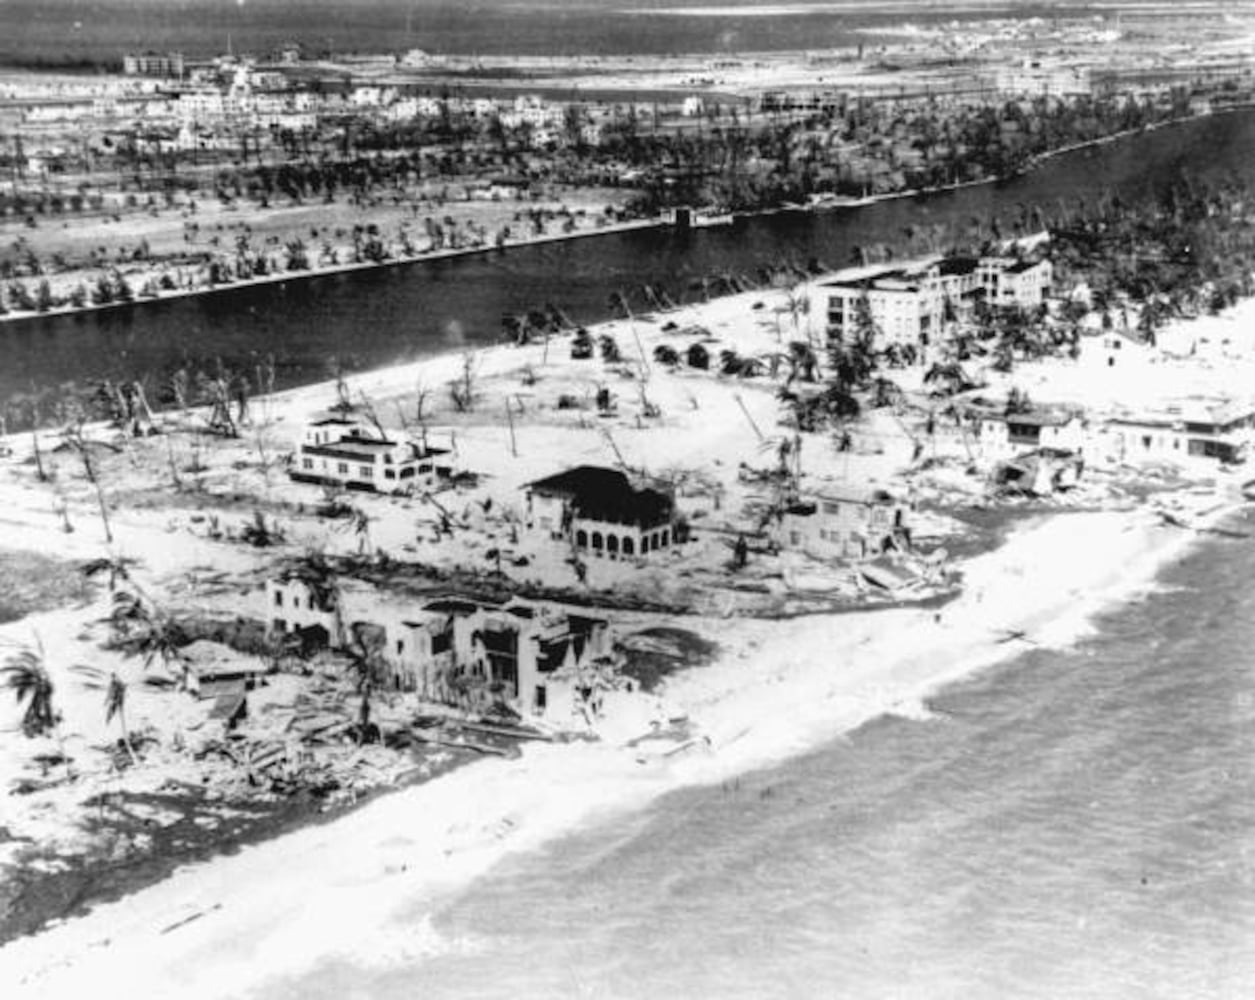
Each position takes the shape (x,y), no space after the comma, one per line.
(845,524)
(1001,436)
(601,513)
(1184,433)
(345,451)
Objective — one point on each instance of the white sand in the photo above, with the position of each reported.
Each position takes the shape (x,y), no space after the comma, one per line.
(358,887)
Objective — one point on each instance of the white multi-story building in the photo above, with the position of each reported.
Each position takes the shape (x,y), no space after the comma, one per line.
(1001,436)
(847,524)
(1007,282)
(909,306)
(601,514)
(351,454)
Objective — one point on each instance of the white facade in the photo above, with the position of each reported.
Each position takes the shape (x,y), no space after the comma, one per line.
(1011,283)
(1184,435)
(351,454)
(1003,436)
(843,525)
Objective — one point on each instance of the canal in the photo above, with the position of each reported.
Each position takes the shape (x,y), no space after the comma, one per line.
(367,319)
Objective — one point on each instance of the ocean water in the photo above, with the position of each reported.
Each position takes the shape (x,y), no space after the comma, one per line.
(104,29)
(1074,823)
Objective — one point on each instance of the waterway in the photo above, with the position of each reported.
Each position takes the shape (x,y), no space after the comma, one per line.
(368,319)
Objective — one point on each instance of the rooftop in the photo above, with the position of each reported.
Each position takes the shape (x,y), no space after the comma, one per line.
(602,494)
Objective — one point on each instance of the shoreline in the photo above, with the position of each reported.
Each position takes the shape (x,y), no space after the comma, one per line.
(445,833)
(326,270)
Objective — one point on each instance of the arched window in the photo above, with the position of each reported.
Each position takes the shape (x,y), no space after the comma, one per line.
(612,545)
(597,542)
(581,539)
(629,547)
(666,537)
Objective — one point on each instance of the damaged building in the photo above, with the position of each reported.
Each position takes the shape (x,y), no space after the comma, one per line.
(451,650)
(850,524)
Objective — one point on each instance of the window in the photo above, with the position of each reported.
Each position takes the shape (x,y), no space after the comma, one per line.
(307,463)
(542,697)
(441,642)
(581,539)
(597,542)
(666,537)
(390,473)
(400,646)
(279,625)
(629,547)
(278,598)
(794,538)
(366,471)
(342,468)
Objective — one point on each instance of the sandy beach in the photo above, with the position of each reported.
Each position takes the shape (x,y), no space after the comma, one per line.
(204,931)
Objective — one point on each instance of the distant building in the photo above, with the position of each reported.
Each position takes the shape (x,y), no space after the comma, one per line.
(1007,282)
(850,524)
(602,514)
(1038,77)
(169,64)
(902,308)
(910,306)
(349,453)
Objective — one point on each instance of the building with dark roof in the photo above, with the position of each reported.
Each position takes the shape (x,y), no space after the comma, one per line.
(602,513)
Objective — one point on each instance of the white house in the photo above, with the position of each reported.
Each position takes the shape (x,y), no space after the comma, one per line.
(1186,433)
(1001,436)
(849,524)
(350,453)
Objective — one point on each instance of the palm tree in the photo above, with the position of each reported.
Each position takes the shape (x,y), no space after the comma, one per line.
(27,677)
(117,568)
(798,305)
(142,630)
(115,699)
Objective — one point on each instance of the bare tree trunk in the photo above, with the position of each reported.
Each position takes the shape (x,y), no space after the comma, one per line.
(39,457)
(81,446)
